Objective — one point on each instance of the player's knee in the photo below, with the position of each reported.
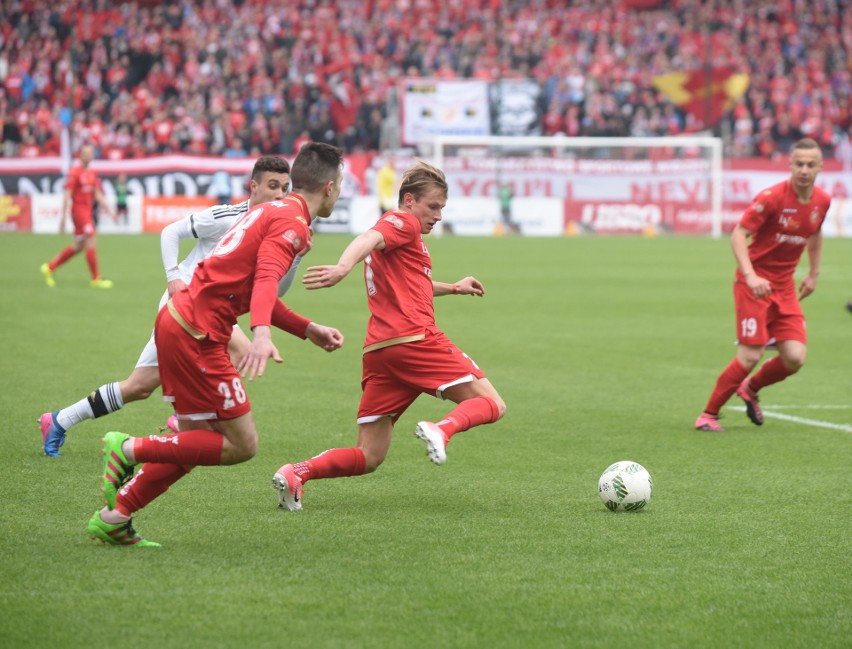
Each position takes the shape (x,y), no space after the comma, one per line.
(501,407)
(136,392)
(794,362)
(372,461)
(749,357)
(245,451)
(139,385)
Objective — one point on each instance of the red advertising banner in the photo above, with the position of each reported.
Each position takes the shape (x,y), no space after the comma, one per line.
(158,212)
(15,214)
(636,217)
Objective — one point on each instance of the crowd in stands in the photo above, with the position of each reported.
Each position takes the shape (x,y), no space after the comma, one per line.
(245,77)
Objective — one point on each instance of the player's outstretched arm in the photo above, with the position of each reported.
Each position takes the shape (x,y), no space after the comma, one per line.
(357,250)
(328,338)
(467,286)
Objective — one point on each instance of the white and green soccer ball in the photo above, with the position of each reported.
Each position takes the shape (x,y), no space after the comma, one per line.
(625,487)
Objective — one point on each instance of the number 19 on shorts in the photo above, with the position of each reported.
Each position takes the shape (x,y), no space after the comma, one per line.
(748,327)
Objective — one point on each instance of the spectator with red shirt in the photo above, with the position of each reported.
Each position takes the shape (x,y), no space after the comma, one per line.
(784,221)
(589,55)
(82,189)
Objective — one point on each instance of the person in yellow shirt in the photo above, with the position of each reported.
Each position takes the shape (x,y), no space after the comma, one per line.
(386,186)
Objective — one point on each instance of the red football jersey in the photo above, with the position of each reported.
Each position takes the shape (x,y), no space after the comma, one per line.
(399,281)
(82,183)
(241,275)
(780,227)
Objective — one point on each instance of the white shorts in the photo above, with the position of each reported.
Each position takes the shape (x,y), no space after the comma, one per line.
(148,357)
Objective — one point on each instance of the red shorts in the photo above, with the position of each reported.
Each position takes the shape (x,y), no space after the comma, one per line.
(83,224)
(778,316)
(393,377)
(197,375)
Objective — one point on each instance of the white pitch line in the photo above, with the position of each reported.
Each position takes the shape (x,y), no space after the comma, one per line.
(800,420)
(810,407)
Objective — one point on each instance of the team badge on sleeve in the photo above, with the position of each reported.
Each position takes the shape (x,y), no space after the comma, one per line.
(293,237)
(395,221)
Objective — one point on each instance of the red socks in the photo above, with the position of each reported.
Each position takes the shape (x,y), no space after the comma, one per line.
(92,259)
(772,371)
(150,481)
(191,448)
(333,463)
(64,255)
(346,462)
(469,413)
(727,383)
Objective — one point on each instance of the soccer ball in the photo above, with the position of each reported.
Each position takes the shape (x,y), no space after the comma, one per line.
(625,487)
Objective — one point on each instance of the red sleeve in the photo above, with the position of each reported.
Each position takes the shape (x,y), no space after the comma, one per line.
(264,295)
(398,228)
(763,207)
(288,320)
(282,242)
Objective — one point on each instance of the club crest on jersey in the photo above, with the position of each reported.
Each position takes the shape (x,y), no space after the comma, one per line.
(395,221)
(293,237)
(814,215)
(758,207)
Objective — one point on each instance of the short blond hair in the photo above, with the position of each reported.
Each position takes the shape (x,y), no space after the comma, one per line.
(420,178)
(806,143)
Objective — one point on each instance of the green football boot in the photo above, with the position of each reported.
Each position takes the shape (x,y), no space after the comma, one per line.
(120,534)
(117,470)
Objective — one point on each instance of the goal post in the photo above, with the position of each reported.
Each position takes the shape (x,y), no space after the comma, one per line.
(601,184)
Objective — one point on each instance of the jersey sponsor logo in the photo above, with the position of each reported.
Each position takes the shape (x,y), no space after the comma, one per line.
(788,223)
(395,221)
(789,210)
(790,238)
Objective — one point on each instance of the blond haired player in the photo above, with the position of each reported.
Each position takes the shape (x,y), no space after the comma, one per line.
(405,353)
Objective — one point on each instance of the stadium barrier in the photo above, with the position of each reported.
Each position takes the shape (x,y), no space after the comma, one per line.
(548,200)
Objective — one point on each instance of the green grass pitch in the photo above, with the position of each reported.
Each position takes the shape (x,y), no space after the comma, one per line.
(604,349)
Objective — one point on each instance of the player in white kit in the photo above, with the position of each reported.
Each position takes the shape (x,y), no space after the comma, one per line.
(270,180)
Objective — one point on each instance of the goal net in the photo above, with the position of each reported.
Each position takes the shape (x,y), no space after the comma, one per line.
(550,186)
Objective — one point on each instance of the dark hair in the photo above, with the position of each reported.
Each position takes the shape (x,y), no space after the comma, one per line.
(314,166)
(420,178)
(269,163)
